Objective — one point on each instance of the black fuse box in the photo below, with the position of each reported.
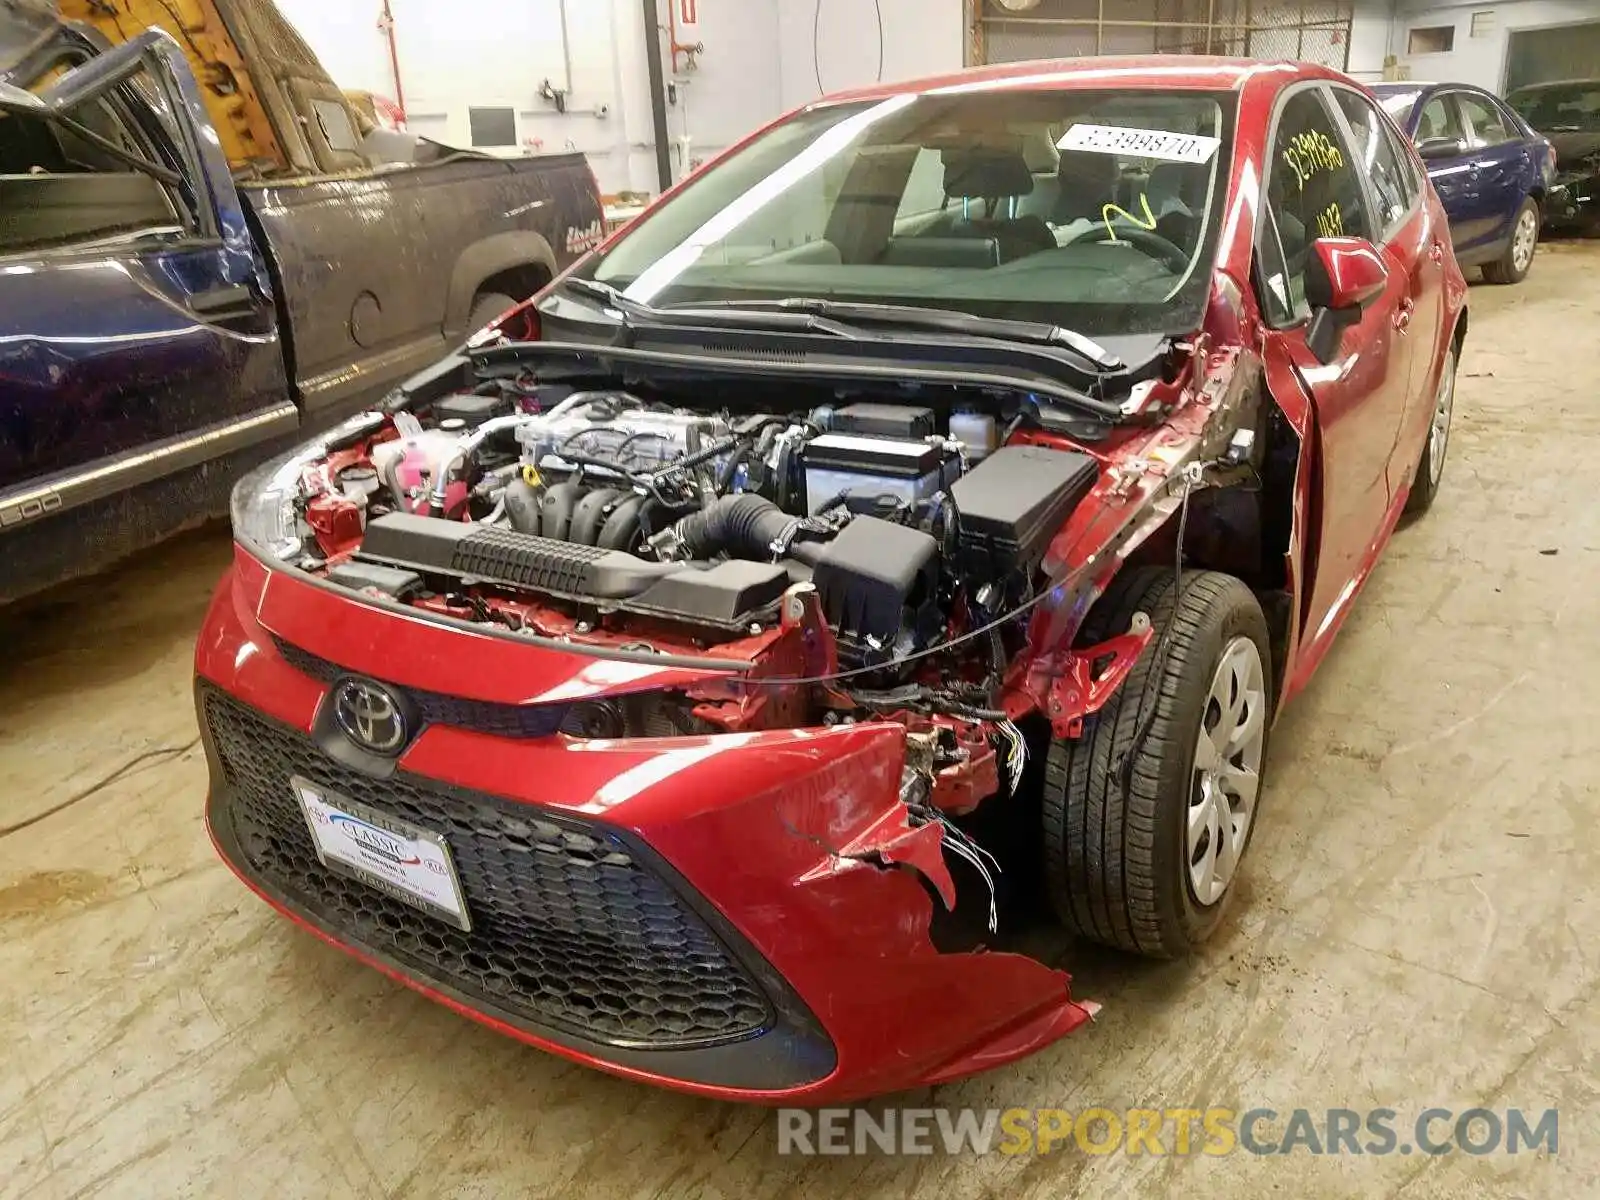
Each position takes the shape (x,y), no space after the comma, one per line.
(1012,503)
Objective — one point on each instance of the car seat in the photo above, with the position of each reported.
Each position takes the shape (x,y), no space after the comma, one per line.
(1176,192)
(1087,182)
(998,178)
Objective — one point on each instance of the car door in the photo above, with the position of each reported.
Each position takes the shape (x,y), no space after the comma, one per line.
(1413,246)
(1316,187)
(1502,167)
(1453,175)
(135,335)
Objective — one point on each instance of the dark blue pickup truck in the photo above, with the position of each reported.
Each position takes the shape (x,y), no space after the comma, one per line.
(163,324)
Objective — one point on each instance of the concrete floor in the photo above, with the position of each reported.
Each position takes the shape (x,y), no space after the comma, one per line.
(1420,924)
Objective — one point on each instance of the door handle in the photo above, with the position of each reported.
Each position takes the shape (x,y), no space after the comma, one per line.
(1402,317)
(1436,252)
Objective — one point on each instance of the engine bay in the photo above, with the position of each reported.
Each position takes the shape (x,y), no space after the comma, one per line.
(858,561)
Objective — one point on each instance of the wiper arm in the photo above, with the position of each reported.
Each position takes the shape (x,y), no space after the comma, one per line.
(948,320)
(607,294)
(640,313)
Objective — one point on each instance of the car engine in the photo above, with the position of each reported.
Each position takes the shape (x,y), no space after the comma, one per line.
(608,518)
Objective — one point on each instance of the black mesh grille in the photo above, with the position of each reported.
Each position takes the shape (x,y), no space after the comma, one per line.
(437,708)
(572,928)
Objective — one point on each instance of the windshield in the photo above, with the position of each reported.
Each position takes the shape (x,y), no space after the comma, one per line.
(1398,104)
(1563,108)
(1097,211)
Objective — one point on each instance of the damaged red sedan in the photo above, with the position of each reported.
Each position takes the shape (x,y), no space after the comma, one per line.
(916,519)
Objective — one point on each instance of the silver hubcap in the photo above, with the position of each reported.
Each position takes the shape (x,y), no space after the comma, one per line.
(1524,240)
(1439,431)
(1227,770)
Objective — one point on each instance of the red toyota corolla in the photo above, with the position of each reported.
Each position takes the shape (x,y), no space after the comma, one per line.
(920,514)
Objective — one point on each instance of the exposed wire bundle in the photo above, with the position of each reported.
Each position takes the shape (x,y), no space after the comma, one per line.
(962,846)
(1016,757)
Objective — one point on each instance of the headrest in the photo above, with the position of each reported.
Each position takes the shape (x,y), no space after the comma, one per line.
(1089,166)
(983,173)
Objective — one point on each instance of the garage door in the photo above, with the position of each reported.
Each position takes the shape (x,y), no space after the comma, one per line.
(1542,55)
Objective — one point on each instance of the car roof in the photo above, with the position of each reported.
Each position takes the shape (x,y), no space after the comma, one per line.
(1177,72)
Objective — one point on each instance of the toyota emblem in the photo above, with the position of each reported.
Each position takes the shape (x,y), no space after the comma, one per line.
(371,716)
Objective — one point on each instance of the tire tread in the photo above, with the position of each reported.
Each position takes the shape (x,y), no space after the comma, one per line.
(1101,840)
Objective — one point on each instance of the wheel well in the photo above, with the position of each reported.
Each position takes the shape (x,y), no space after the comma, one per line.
(1245,529)
(518,282)
(1458,339)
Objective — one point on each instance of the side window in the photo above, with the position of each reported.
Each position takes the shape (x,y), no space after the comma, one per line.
(1410,172)
(1439,119)
(1377,160)
(924,186)
(1489,127)
(58,188)
(1313,191)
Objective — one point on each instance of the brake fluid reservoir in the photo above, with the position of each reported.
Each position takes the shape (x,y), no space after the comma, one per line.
(976,431)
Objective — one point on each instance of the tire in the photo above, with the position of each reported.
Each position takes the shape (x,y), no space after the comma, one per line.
(1430,469)
(1513,266)
(486,306)
(1117,852)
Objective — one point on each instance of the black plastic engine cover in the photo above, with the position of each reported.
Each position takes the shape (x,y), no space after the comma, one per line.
(728,595)
(429,544)
(871,574)
(1012,503)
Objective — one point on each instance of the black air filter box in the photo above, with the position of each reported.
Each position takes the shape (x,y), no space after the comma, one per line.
(872,579)
(1012,503)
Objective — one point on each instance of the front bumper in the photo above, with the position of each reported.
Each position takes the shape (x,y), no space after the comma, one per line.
(1572,205)
(717,914)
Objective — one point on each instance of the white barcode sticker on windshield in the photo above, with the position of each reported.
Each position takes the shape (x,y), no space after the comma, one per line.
(1140,143)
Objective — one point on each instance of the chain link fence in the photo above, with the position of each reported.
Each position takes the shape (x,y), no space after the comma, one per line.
(1308,30)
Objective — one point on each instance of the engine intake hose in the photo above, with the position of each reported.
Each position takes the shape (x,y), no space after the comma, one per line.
(743,526)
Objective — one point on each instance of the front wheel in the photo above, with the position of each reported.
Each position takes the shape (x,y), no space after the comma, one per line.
(1514,264)
(1148,812)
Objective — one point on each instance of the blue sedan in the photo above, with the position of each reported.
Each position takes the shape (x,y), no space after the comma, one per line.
(1490,170)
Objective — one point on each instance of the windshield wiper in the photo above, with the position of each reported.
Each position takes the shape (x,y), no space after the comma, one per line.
(607,294)
(908,316)
(635,311)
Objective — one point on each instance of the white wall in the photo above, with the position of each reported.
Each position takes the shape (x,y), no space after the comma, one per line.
(1480,60)
(840,41)
(758,61)
(1371,38)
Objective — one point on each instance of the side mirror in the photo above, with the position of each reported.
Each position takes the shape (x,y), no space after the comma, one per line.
(1441,147)
(1343,276)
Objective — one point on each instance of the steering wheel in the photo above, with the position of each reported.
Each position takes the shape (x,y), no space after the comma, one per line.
(1153,244)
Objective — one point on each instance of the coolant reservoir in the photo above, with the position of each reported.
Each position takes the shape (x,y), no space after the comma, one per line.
(407,466)
(976,431)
